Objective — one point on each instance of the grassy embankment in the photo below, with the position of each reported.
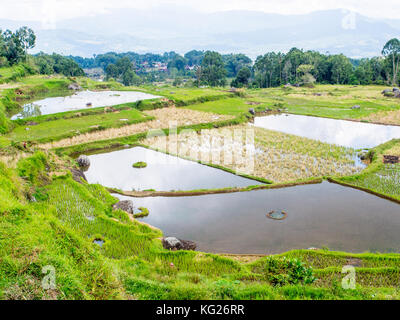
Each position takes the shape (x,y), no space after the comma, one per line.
(69,124)
(59,223)
(331,101)
(379,178)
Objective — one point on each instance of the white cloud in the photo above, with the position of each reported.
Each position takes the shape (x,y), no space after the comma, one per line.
(50,10)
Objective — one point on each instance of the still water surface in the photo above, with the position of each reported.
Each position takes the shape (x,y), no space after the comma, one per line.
(318,215)
(357,135)
(80,100)
(163,172)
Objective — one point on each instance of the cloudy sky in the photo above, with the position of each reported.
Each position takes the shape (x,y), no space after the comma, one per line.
(63,9)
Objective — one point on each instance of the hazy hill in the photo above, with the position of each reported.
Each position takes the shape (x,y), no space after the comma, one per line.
(180,29)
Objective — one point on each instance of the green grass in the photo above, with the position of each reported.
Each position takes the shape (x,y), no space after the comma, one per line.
(231,106)
(144,212)
(139,165)
(380,178)
(335,102)
(65,128)
(186,95)
(16,72)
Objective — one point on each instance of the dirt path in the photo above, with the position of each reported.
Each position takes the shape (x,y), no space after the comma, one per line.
(5,86)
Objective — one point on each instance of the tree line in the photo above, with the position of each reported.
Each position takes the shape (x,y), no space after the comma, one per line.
(14,48)
(297,67)
(209,68)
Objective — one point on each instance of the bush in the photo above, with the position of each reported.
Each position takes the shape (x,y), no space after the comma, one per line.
(33,168)
(139,165)
(281,272)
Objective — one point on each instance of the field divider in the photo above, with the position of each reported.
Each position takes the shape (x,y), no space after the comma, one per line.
(192,193)
(375,193)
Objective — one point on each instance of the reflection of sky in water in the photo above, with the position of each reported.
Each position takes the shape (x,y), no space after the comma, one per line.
(318,215)
(351,134)
(163,172)
(79,101)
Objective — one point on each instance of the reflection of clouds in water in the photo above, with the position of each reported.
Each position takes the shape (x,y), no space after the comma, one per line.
(81,99)
(340,132)
(29,110)
(163,172)
(322,214)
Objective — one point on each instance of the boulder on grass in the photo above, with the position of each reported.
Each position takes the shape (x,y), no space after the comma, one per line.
(175,244)
(74,86)
(83,161)
(355,107)
(252,111)
(78,175)
(126,205)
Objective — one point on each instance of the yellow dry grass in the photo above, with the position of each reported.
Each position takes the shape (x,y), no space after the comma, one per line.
(270,155)
(386,117)
(12,159)
(164,119)
(395,151)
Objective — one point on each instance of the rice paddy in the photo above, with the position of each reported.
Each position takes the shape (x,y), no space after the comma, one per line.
(385,180)
(388,117)
(46,218)
(164,119)
(266,154)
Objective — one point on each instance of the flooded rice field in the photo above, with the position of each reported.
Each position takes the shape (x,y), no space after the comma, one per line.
(80,100)
(322,215)
(162,173)
(357,135)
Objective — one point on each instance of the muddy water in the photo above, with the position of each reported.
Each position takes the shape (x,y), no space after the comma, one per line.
(317,215)
(163,172)
(357,135)
(80,100)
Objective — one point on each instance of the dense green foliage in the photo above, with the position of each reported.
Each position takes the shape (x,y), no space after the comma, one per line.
(123,71)
(242,78)
(14,45)
(212,71)
(55,63)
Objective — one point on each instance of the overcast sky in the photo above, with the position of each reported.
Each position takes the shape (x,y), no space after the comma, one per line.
(63,9)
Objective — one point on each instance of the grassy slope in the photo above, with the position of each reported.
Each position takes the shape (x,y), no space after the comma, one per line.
(232,106)
(65,128)
(379,177)
(55,231)
(335,102)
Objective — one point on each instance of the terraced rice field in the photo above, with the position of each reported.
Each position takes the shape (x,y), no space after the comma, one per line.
(164,119)
(262,153)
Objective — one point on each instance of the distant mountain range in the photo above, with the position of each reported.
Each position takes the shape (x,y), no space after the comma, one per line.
(180,29)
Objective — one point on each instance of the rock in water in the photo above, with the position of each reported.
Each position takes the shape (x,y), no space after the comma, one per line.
(83,161)
(126,205)
(174,244)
